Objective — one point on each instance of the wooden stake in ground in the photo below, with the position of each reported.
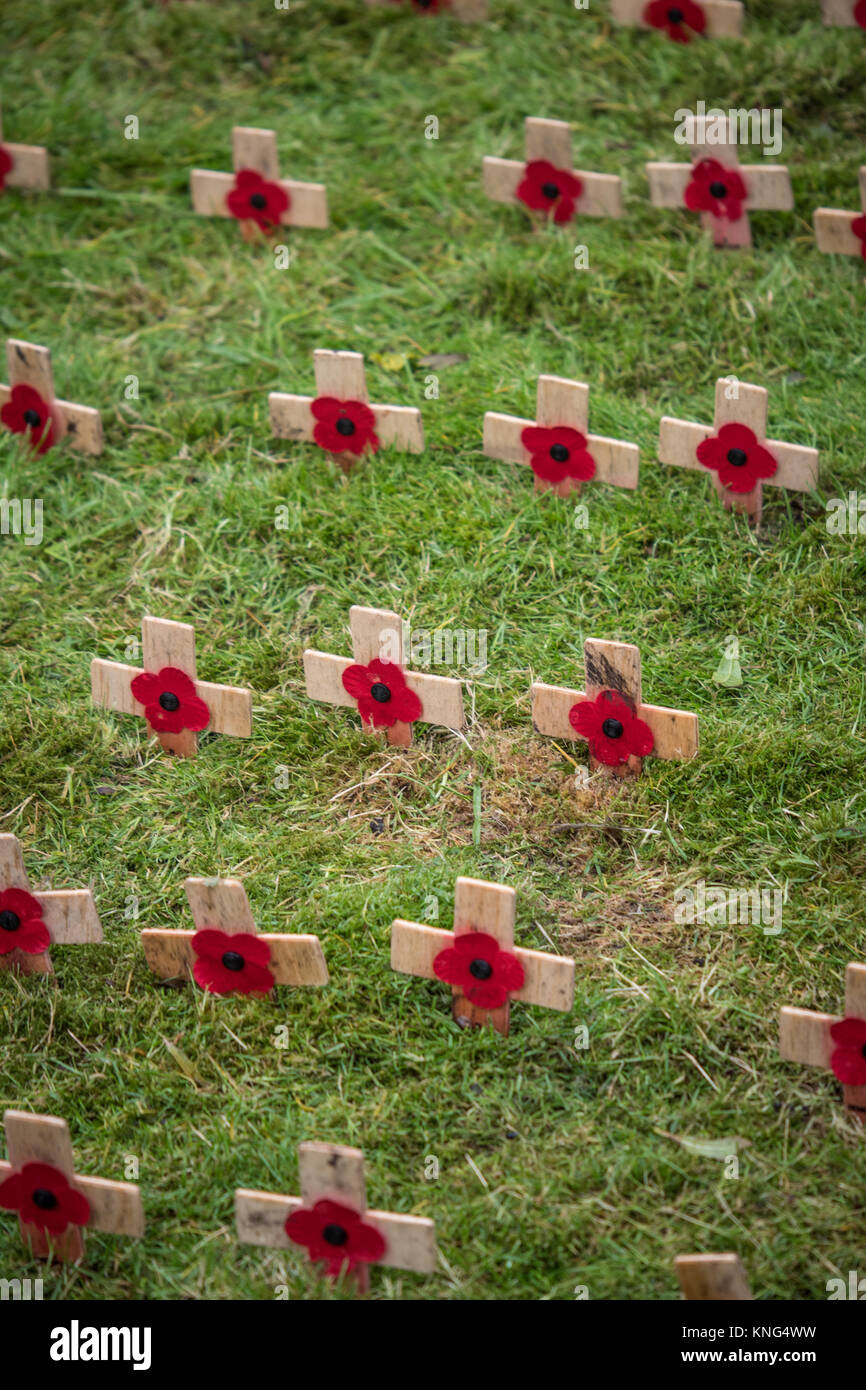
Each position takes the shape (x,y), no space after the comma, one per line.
(736,451)
(470,11)
(845,13)
(717,186)
(682,20)
(29,407)
(546,182)
(225,953)
(712,1278)
(834,1043)
(557,445)
(610,714)
(340,418)
(255,194)
(54,1204)
(331,1222)
(23,166)
(373,680)
(176,705)
(843,233)
(32,922)
(480,961)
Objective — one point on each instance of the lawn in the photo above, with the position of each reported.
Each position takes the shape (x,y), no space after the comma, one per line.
(559,1165)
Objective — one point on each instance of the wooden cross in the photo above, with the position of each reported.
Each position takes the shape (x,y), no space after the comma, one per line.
(220,908)
(847,14)
(59,918)
(736,450)
(469,11)
(331,1220)
(807,1037)
(341,410)
(713,1278)
(381,694)
(534,182)
(842,232)
(54,1204)
(487,909)
(610,714)
(255,194)
(168,651)
(28,405)
(718,186)
(562,408)
(23,166)
(682,20)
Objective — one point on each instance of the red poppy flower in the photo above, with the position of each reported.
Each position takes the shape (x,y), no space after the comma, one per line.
(858,226)
(716,190)
(859,13)
(21,924)
(335,1234)
(26,412)
(735,454)
(7,164)
(254,199)
(43,1197)
(848,1062)
(384,698)
(614,733)
(544,188)
(677,17)
(481,970)
(344,426)
(170,702)
(231,962)
(558,453)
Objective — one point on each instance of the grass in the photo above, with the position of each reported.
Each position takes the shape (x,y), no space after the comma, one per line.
(585,1178)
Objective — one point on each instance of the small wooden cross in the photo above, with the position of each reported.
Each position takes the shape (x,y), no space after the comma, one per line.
(182,707)
(847,14)
(340,418)
(682,20)
(470,11)
(560,461)
(39,920)
(248,963)
(610,714)
(54,1204)
(834,1043)
(28,405)
(842,232)
(385,694)
(717,186)
(713,1278)
(23,166)
(255,194)
(489,968)
(547,182)
(736,450)
(331,1221)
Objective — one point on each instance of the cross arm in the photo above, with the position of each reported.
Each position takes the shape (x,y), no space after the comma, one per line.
(724,17)
(712,1278)
(70,916)
(110,686)
(616,462)
(768,188)
(668,183)
(675,732)
(397,425)
(296,960)
(601,195)
(308,202)
(679,441)
(804,1037)
(834,231)
(260,1218)
(115,1207)
(410,1241)
(548,980)
(30,167)
(231,708)
(441,696)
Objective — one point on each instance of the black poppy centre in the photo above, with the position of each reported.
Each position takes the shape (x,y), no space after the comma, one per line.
(258,200)
(737,458)
(675,16)
(612,728)
(334,1234)
(559,453)
(233,960)
(345,426)
(718,189)
(44,1199)
(380,692)
(33,418)
(550,190)
(9,921)
(481,969)
(169,701)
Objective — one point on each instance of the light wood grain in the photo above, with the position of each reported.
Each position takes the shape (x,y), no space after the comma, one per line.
(441,696)
(833,232)
(805,1036)
(397,426)
(69,914)
(254,148)
(376,633)
(219,902)
(410,1241)
(340,374)
(308,202)
(296,961)
(550,140)
(612,666)
(29,364)
(601,195)
(333,1171)
(855,991)
(30,167)
(712,1278)
(839,12)
(485,907)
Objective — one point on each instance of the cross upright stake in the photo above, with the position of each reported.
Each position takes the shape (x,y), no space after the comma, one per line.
(736,450)
(847,14)
(31,922)
(331,1221)
(834,1043)
(682,20)
(225,953)
(480,961)
(29,407)
(843,233)
(547,182)
(610,714)
(23,166)
(713,1278)
(340,418)
(255,194)
(54,1204)
(557,445)
(374,682)
(175,704)
(469,11)
(717,186)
